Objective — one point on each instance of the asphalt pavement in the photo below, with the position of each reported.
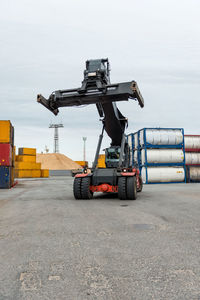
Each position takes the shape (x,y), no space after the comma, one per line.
(55,247)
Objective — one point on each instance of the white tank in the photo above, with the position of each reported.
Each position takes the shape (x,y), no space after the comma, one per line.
(136,155)
(136,140)
(192,158)
(162,136)
(133,140)
(192,142)
(130,141)
(131,157)
(163,174)
(195,173)
(162,156)
(131,146)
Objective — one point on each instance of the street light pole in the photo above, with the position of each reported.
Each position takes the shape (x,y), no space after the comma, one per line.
(84,147)
(56,145)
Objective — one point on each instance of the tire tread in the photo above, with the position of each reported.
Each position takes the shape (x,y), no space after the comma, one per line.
(85,188)
(77,188)
(122,188)
(131,188)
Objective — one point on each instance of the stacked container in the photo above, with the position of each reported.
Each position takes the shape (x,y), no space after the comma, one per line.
(7,150)
(161,155)
(26,166)
(82,163)
(192,157)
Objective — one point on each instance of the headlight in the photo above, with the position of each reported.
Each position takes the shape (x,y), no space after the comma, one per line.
(92,74)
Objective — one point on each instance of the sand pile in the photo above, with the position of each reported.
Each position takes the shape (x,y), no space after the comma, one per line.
(56,161)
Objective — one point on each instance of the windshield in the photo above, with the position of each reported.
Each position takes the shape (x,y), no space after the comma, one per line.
(94,65)
(113,154)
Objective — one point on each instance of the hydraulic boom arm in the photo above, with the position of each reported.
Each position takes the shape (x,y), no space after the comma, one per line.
(73,97)
(96,89)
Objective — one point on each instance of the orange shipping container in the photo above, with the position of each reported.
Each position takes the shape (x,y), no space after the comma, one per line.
(6,132)
(20,165)
(82,163)
(27,151)
(27,173)
(44,173)
(26,158)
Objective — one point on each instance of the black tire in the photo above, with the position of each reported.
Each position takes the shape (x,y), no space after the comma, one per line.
(85,188)
(122,188)
(77,188)
(131,188)
(141,185)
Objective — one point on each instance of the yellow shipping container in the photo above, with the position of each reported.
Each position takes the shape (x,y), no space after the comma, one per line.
(101,165)
(26,158)
(82,163)
(27,173)
(27,151)
(6,132)
(101,161)
(20,165)
(44,173)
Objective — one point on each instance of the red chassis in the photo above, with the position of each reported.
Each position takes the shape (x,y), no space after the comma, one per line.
(107,188)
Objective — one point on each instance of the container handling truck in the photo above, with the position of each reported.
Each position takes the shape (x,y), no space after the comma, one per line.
(120,175)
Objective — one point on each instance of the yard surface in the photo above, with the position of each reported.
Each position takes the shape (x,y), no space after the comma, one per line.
(55,247)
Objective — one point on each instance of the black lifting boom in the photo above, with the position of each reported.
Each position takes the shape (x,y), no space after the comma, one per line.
(95,89)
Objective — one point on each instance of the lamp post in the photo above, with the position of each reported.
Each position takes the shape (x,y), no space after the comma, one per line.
(56,145)
(84,148)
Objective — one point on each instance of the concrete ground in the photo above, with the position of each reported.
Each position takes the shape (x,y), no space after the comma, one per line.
(55,247)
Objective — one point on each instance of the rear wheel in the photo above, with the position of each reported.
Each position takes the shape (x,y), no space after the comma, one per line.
(131,188)
(122,188)
(77,188)
(85,188)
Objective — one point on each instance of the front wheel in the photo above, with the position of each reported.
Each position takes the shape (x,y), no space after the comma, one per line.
(131,188)
(85,188)
(77,188)
(122,188)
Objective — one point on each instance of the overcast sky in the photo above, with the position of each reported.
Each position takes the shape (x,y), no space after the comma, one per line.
(44,45)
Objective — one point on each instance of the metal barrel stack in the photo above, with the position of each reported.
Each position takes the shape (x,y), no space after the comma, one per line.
(192,157)
(7,155)
(160,154)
